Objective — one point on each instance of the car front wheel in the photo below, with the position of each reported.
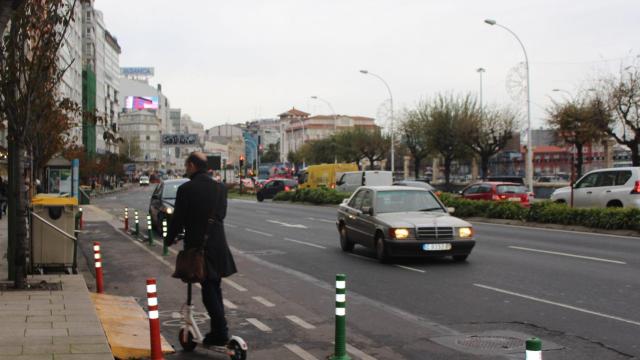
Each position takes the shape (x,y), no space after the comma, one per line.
(381,250)
(260,197)
(345,243)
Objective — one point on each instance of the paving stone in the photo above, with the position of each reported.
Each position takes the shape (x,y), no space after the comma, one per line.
(7,331)
(80,312)
(46,332)
(93,339)
(47,307)
(10,349)
(76,324)
(38,312)
(21,339)
(39,325)
(28,357)
(49,318)
(84,331)
(90,348)
(13,318)
(83,357)
(28,349)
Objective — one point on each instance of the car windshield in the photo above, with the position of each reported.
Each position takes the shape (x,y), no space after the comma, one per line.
(170,190)
(406,200)
(511,189)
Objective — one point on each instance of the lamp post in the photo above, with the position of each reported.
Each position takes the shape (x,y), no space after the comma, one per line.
(393,137)
(529,165)
(335,122)
(481,71)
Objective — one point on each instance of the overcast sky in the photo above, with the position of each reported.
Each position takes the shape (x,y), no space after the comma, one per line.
(233,61)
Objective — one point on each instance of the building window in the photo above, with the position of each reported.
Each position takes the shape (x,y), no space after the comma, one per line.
(148,137)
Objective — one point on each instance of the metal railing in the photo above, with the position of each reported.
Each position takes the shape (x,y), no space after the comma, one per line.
(54,227)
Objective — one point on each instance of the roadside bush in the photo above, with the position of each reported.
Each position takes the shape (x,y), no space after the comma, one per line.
(546,212)
(317,196)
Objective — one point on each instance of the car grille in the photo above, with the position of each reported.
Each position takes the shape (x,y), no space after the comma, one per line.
(435,233)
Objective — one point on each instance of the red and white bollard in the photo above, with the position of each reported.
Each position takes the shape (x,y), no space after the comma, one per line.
(98,263)
(154,321)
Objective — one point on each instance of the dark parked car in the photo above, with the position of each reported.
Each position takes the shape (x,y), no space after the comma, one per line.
(274,186)
(414,183)
(163,200)
(404,222)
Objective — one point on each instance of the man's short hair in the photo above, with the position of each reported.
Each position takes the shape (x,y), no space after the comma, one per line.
(198,159)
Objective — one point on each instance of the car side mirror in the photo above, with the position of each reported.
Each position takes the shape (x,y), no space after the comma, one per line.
(155,197)
(460,192)
(451,210)
(345,201)
(367,210)
(339,182)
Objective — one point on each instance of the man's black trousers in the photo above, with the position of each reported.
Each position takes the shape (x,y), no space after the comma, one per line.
(212,299)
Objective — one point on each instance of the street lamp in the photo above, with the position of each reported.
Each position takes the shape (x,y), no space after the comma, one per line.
(335,122)
(529,165)
(393,137)
(481,71)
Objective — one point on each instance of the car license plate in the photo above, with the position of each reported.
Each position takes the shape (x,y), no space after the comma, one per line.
(515,199)
(436,247)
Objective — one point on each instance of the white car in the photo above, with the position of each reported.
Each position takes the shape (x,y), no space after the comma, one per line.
(144,181)
(612,187)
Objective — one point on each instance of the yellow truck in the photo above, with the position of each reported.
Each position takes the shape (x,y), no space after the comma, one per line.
(323,175)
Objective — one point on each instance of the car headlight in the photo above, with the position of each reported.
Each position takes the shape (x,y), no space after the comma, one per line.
(401,233)
(169,210)
(465,232)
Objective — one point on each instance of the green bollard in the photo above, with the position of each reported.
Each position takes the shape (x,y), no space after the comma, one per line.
(165,249)
(533,349)
(340,352)
(135,216)
(149,230)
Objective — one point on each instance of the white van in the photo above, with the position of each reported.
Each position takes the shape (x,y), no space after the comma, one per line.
(350,181)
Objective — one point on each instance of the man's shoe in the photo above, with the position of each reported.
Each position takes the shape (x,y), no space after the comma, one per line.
(211,340)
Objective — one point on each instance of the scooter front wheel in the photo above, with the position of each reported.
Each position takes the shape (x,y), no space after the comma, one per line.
(186,340)
(238,352)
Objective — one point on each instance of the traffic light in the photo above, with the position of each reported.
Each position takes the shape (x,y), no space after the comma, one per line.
(241,161)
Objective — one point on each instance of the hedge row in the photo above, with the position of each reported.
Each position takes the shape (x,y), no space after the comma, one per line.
(315,196)
(547,212)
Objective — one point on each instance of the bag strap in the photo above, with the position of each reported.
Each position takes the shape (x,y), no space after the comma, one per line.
(210,220)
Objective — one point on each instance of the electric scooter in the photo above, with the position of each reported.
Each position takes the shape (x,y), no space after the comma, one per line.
(190,335)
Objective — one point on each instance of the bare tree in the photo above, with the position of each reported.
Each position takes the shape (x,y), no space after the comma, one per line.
(30,75)
(487,131)
(617,109)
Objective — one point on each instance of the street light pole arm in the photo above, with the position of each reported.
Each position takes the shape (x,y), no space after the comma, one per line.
(526,57)
(385,84)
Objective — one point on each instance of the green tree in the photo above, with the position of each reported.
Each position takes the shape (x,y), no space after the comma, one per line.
(414,136)
(578,122)
(31,76)
(446,118)
(487,131)
(130,148)
(345,147)
(272,154)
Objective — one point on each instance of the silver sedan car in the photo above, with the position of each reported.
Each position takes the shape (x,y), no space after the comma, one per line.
(402,222)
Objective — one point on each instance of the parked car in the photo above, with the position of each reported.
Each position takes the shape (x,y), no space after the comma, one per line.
(414,183)
(163,200)
(144,181)
(351,180)
(404,222)
(323,175)
(507,178)
(274,186)
(610,187)
(497,191)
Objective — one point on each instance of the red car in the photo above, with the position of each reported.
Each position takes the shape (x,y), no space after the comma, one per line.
(498,191)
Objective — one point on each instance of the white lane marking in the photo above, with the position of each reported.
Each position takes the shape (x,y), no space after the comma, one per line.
(558,230)
(363,257)
(258,232)
(358,353)
(298,226)
(234,284)
(296,320)
(637,323)
(568,255)
(260,325)
(230,225)
(305,243)
(263,301)
(228,304)
(300,352)
(322,220)
(409,268)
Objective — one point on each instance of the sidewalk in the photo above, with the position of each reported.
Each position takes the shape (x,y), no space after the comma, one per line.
(48,324)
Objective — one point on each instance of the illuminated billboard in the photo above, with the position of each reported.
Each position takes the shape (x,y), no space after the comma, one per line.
(141,102)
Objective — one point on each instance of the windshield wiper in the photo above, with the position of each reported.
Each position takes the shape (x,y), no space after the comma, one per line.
(431,209)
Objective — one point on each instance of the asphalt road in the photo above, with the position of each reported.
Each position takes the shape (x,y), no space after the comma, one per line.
(578,292)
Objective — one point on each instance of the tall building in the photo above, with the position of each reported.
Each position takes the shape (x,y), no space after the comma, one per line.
(144,128)
(297,127)
(70,55)
(101,66)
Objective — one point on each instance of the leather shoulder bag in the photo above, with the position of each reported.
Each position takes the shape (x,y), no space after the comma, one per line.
(191,265)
